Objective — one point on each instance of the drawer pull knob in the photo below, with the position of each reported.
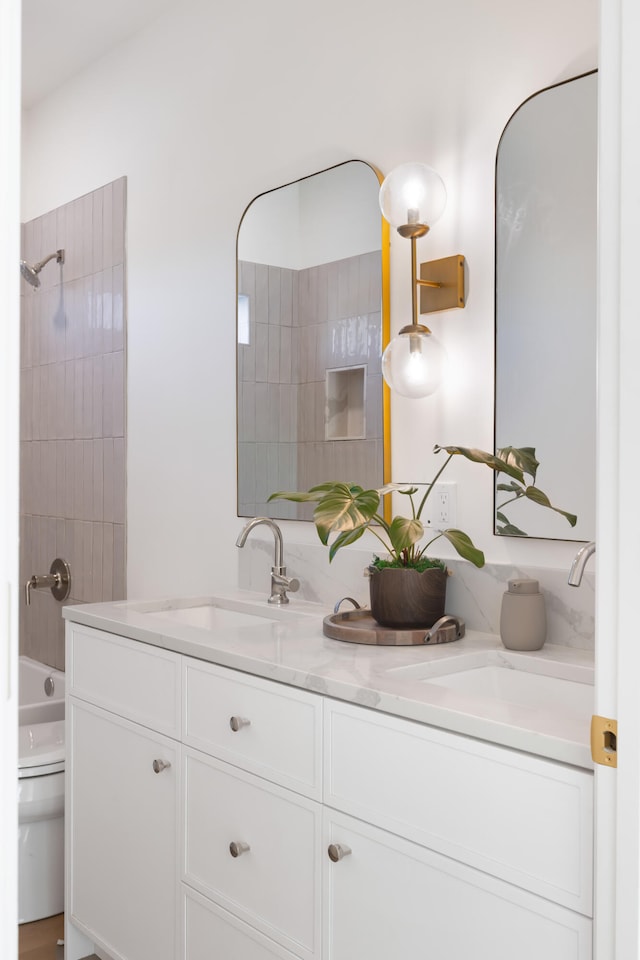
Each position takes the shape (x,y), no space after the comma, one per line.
(237,849)
(160,765)
(236,723)
(337,851)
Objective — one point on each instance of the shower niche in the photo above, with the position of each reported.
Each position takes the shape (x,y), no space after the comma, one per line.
(345,404)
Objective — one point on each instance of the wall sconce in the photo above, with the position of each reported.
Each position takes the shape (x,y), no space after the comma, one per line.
(412,198)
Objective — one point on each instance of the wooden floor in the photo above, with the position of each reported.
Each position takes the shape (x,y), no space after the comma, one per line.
(39,940)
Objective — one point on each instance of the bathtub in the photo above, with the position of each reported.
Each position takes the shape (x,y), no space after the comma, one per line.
(40,791)
(34,704)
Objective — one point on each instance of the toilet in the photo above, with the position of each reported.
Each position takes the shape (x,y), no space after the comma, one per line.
(40,820)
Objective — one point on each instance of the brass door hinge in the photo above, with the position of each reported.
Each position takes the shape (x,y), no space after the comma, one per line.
(604,741)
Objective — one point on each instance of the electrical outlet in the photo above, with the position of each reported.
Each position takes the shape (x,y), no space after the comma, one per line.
(440,508)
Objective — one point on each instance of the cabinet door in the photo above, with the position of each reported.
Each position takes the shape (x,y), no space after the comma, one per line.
(387,897)
(122,834)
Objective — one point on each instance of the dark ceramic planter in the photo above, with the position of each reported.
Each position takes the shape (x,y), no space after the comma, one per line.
(405,599)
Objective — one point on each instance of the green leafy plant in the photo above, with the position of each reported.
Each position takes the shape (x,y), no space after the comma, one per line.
(524,459)
(346,510)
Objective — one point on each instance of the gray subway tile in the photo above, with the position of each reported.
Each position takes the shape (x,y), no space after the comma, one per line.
(119,562)
(118,296)
(97,238)
(107,225)
(97,509)
(97,555)
(119,207)
(97,375)
(246,472)
(108,481)
(117,396)
(107,563)
(261,306)
(262,352)
(86,233)
(273,274)
(286,297)
(108,425)
(107,309)
(119,481)
(273,359)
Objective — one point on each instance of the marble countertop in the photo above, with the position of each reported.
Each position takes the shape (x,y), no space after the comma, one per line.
(403,681)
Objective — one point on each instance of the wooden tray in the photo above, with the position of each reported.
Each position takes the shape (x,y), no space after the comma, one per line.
(358,626)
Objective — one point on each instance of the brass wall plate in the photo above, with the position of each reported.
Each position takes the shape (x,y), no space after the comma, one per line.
(604,741)
(449,273)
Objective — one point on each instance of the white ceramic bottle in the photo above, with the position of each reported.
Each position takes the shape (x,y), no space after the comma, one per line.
(523,620)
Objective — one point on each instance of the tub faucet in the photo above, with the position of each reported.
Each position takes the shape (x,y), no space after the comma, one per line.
(579,563)
(280,582)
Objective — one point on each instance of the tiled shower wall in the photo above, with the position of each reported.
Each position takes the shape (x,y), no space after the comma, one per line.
(72,411)
(303,323)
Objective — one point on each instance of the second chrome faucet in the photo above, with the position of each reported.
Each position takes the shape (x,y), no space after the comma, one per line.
(579,563)
(280,582)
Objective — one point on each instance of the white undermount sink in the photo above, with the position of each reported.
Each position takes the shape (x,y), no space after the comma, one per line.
(219,613)
(516,678)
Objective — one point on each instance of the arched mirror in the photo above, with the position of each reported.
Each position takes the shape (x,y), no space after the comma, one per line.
(313,320)
(545,395)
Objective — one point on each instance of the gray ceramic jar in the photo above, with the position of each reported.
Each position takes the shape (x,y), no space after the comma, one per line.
(523,619)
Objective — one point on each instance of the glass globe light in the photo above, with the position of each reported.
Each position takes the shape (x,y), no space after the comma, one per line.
(413,193)
(413,363)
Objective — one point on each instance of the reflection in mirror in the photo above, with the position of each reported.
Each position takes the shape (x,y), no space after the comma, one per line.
(313,320)
(546,204)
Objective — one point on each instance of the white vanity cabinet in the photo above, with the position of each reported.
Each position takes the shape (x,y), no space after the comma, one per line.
(295,826)
(453,844)
(123,712)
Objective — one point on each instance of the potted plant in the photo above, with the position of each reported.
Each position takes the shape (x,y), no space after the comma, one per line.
(408,587)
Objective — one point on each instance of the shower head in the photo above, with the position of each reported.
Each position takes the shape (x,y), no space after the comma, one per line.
(30,272)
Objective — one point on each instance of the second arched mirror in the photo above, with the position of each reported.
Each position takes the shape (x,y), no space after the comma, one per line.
(546,246)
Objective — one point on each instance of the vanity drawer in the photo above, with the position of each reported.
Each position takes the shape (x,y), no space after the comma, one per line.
(267,728)
(272,879)
(524,819)
(134,680)
(204,924)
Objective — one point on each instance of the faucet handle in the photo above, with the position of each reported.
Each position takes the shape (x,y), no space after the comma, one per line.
(30,585)
(280,583)
(289,583)
(278,579)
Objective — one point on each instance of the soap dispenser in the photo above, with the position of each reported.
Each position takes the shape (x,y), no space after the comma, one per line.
(523,621)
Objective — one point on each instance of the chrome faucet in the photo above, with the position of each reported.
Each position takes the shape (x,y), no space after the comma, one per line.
(579,563)
(280,582)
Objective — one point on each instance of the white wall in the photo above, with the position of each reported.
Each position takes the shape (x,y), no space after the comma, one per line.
(204,111)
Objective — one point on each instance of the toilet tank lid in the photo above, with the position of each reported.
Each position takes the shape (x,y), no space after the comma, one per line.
(40,744)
